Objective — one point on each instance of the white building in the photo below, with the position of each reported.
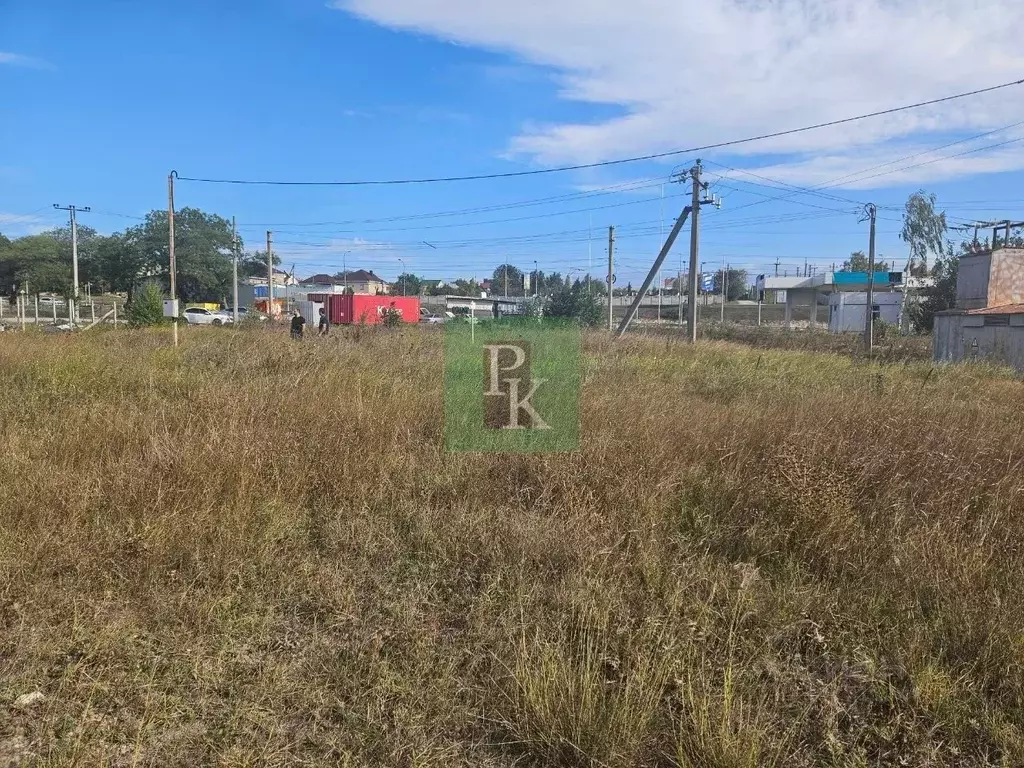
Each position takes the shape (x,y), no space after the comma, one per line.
(847,310)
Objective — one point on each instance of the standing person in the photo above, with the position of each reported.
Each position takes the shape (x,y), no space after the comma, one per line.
(325,323)
(298,323)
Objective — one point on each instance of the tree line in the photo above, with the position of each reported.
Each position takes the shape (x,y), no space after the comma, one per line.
(122,261)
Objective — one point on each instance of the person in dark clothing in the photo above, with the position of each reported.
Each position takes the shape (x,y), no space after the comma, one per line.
(298,323)
(325,323)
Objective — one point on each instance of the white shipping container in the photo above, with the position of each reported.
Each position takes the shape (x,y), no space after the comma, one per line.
(311,311)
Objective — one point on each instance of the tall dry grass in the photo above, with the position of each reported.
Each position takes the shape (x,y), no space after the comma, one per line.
(248,551)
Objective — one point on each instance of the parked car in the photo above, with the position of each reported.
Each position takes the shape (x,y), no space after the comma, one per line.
(200,316)
(426,316)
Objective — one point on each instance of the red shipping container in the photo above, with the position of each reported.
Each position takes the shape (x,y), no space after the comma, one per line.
(347,309)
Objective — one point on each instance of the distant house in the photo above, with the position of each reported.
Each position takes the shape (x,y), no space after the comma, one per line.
(358,281)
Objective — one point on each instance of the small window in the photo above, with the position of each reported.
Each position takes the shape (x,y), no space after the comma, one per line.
(997,320)
(876,312)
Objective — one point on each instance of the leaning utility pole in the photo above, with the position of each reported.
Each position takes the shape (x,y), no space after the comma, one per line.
(270,279)
(654,271)
(611,274)
(687,211)
(869,324)
(71,209)
(234,270)
(691,301)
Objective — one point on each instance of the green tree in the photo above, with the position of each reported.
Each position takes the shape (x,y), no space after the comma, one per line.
(120,263)
(37,261)
(467,287)
(254,264)
(575,302)
(553,283)
(513,286)
(939,297)
(407,284)
(591,285)
(858,262)
(88,243)
(737,286)
(924,231)
(146,308)
(202,247)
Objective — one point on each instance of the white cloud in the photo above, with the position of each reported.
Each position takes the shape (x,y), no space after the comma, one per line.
(689,73)
(20,60)
(21,224)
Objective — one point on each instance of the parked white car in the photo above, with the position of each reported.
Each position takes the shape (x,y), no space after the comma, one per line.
(200,316)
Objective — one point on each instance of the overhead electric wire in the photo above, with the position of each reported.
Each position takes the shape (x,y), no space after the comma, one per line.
(492,221)
(631,186)
(839,180)
(604,163)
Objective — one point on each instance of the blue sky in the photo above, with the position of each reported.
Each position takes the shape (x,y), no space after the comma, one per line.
(100,101)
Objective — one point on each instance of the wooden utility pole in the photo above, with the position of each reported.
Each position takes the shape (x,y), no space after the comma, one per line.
(611,274)
(234,270)
(869,324)
(270,279)
(170,247)
(691,302)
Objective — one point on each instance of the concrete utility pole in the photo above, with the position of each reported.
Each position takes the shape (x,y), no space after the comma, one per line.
(234,270)
(679,293)
(776,266)
(725,288)
(170,247)
(691,304)
(611,274)
(869,325)
(270,278)
(631,312)
(72,210)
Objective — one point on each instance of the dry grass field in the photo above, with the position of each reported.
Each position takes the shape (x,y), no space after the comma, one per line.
(247,551)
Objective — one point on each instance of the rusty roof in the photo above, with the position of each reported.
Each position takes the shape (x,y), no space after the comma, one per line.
(1005,309)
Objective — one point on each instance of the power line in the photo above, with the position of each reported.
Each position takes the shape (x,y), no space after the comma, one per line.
(605,163)
(631,186)
(839,180)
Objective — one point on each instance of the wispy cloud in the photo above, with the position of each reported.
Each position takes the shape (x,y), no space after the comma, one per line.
(20,224)
(20,60)
(691,74)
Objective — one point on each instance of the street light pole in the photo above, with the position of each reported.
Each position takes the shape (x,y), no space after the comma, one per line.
(403,274)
